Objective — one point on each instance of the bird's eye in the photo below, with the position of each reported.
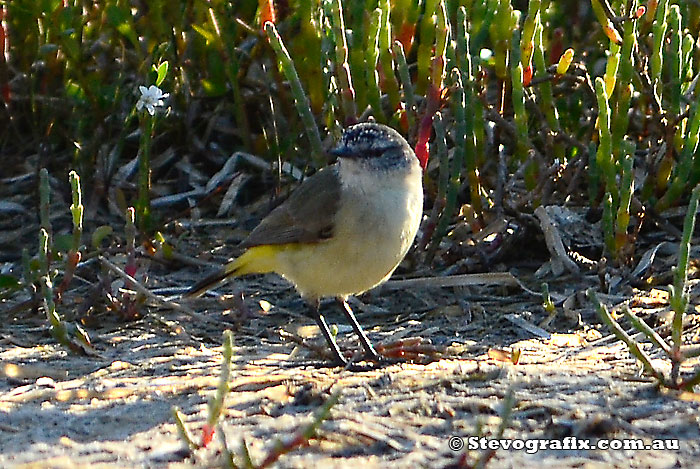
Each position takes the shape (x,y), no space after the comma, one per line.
(372,152)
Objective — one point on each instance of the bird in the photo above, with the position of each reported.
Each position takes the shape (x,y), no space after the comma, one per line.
(343,230)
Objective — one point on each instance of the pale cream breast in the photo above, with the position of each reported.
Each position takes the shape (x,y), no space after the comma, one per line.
(377,221)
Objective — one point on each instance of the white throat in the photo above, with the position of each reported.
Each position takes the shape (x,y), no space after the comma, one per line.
(354,175)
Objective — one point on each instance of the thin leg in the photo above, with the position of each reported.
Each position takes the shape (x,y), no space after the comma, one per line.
(370,353)
(321,321)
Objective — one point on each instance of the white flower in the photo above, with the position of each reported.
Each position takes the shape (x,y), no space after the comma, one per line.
(151,98)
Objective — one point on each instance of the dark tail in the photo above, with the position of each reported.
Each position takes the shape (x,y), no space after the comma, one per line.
(209,282)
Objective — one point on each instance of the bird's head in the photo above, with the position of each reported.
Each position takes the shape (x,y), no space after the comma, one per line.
(374,144)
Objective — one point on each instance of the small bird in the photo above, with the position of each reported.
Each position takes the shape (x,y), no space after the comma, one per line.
(344,230)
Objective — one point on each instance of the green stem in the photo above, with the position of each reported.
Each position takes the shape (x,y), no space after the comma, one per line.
(391,86)
(406,84)
(679,293)
(372,58)
(657,53)
(604,157)
(622,218)
(632,346)
(300,99)
(343,68)
(143,202)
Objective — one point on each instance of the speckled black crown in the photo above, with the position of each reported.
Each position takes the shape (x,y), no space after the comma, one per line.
(369,140)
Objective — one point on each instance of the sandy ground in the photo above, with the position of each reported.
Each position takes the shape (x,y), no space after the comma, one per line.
(114,409)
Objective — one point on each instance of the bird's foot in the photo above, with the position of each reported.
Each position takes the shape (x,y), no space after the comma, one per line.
(366,362)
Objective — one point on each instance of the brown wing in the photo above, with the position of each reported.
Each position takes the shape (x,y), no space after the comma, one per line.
(308,215)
